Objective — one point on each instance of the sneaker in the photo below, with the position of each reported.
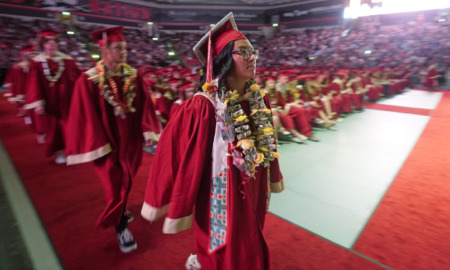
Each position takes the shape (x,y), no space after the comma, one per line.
(126,241)
(318,121)
(60,158)
(297,140)
(192,263)
(312,138)
(302,137)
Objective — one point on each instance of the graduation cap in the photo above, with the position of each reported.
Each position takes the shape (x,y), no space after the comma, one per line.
(108,35)
(186,86)
(212,43)
(28,48)
(47,33)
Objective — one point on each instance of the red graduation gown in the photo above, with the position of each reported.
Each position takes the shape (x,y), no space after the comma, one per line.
(114,143)
(7,81)
(430,81)
(54,97)
(181,175)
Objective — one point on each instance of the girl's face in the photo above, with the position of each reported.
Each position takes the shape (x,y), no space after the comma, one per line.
(244,68)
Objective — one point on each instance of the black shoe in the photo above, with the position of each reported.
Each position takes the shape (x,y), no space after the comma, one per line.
(126,241)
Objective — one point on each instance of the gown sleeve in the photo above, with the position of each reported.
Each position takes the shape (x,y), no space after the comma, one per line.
(182,160)
(85,137)
(34,95)
(151,126)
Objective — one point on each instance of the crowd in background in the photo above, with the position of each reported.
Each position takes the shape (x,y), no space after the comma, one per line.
(416,46)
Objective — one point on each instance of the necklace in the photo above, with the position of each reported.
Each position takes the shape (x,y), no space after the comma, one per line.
(53,79)
(258,147)
(121,101)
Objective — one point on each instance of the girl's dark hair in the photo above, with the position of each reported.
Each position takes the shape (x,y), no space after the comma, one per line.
(222,65)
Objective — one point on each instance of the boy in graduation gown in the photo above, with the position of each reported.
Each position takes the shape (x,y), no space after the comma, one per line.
(111,117)
(51,78)
(209,159)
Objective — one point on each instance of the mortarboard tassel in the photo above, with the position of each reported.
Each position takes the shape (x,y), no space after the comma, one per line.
(208,86)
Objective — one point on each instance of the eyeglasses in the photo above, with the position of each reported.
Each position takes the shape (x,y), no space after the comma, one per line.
(245,54)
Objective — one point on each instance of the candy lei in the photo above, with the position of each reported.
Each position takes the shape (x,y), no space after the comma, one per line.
(47,73)
(258,147)
(121,101)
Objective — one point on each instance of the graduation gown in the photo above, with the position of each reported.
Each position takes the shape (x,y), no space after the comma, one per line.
(7,82)
(114,143)
(180,179)
(55,97)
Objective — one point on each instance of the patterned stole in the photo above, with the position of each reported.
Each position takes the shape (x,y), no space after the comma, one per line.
(218,212)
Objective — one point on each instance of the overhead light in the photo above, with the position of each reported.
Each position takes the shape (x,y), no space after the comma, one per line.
(312,58)
(95,56)
(212,25)
(65,13)
(442,20)
(150,23)
(155,38)
(70,32)
(367,52)
(171,53)
(275,25)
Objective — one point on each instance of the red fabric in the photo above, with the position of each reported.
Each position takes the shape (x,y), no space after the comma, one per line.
(92,124)
(179,176)
(68,202)
(8,80)
(56,97)
(429,81)
(18,81)
(112,34)
(163,105)
(223,39)
(413,215)
(300,116)
(356,99)
(173,109)
(286,121)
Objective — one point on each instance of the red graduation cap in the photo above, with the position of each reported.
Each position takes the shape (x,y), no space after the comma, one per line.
(212,43)
(185,86)
(47,33)
(108,35)
(28,48)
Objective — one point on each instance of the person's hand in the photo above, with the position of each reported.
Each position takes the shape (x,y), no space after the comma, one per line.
(39,110)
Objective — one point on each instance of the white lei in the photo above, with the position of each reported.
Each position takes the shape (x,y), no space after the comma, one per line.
(47,73)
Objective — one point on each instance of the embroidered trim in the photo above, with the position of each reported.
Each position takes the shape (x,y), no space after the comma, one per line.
(89,156)
(218,211)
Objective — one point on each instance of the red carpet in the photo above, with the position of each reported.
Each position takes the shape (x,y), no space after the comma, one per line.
(410,228)
(69,200)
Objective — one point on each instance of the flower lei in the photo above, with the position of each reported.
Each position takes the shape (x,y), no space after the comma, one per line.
(47,73)
(121,101)
(258,148)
